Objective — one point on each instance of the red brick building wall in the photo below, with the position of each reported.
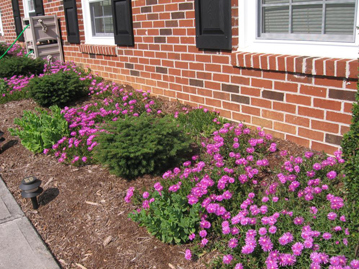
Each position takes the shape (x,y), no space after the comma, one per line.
(307,100)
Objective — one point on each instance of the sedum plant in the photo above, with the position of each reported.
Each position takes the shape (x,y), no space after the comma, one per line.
(135,146)
(40,130)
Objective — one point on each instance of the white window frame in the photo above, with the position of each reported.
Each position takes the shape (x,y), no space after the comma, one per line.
(1,25)
(26,8)
(248,41)
(89,38)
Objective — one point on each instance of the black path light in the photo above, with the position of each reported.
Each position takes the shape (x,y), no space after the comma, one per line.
(30,187)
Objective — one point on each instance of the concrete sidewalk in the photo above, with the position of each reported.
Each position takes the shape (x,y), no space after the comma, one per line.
(20,245)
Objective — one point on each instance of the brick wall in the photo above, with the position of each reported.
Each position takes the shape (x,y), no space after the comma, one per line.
(302,99)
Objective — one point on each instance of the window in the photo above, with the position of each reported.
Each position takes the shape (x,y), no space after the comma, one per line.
(29,8)
(33,8)
(307,20)
(101,18)
(1,27)
(98,22)
(108,22)
(322,28)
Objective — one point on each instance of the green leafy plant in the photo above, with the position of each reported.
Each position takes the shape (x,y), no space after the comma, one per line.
(42,130)
(57,89)
(200,122)
(3,87)
(141,145)
(16,66)
(169,218)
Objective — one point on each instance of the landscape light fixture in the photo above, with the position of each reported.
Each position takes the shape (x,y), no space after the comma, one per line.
(30,187)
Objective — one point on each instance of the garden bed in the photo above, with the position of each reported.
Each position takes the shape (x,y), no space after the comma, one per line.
(83,218)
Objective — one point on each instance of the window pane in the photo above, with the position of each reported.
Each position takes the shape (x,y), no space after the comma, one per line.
(307,19)
(101,17)
(96,9)
(299,1)
(108,27)
(340,18)
(275,1)
(275,19)
(31,5)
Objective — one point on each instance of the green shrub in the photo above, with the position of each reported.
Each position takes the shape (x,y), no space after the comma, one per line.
(3,87)
(42,130)
(200,122)
(11,66)
(57,89)
(169,218)
(141,145)
(350,146)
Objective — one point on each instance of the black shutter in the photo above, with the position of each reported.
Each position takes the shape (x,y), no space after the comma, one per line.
(72,25)
(213,24)
(39,8)
(17,18)
(122,22)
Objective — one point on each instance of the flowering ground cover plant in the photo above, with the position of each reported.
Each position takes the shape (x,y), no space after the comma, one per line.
(255,215)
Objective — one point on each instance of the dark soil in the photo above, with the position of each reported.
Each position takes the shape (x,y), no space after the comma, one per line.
(82,217)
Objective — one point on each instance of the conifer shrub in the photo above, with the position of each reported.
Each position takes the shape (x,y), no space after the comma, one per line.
(141,145)
(16,66)
(57,89)
(350,146)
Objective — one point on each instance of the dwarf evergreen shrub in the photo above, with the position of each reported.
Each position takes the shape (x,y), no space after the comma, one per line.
(141,145)
(57,89)
(16,66)
(350,146)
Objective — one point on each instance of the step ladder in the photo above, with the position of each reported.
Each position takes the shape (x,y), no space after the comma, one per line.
(42,38)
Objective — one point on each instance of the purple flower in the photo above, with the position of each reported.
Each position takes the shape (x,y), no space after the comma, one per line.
(354,264)
(203,233)
(262,231)
(227,259)
(145,195)
(188,255)
(272,229)
(317,166)
(238,266)
(332,216)
(331,174)
(191,236)
(158,187)
(298,220)
(297,248)
(233,242)
(204,242)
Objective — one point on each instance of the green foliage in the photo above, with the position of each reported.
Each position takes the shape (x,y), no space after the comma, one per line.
(57,89)
(3,87)
(141,145)
(42,130)
(3,48)
(350,146)
(16,66)
(169,218)
(200,122)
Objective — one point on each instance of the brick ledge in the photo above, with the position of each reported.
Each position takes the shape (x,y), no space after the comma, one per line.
(341,68)
(98,49)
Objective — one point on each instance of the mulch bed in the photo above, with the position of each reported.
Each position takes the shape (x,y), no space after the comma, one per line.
(83,218)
